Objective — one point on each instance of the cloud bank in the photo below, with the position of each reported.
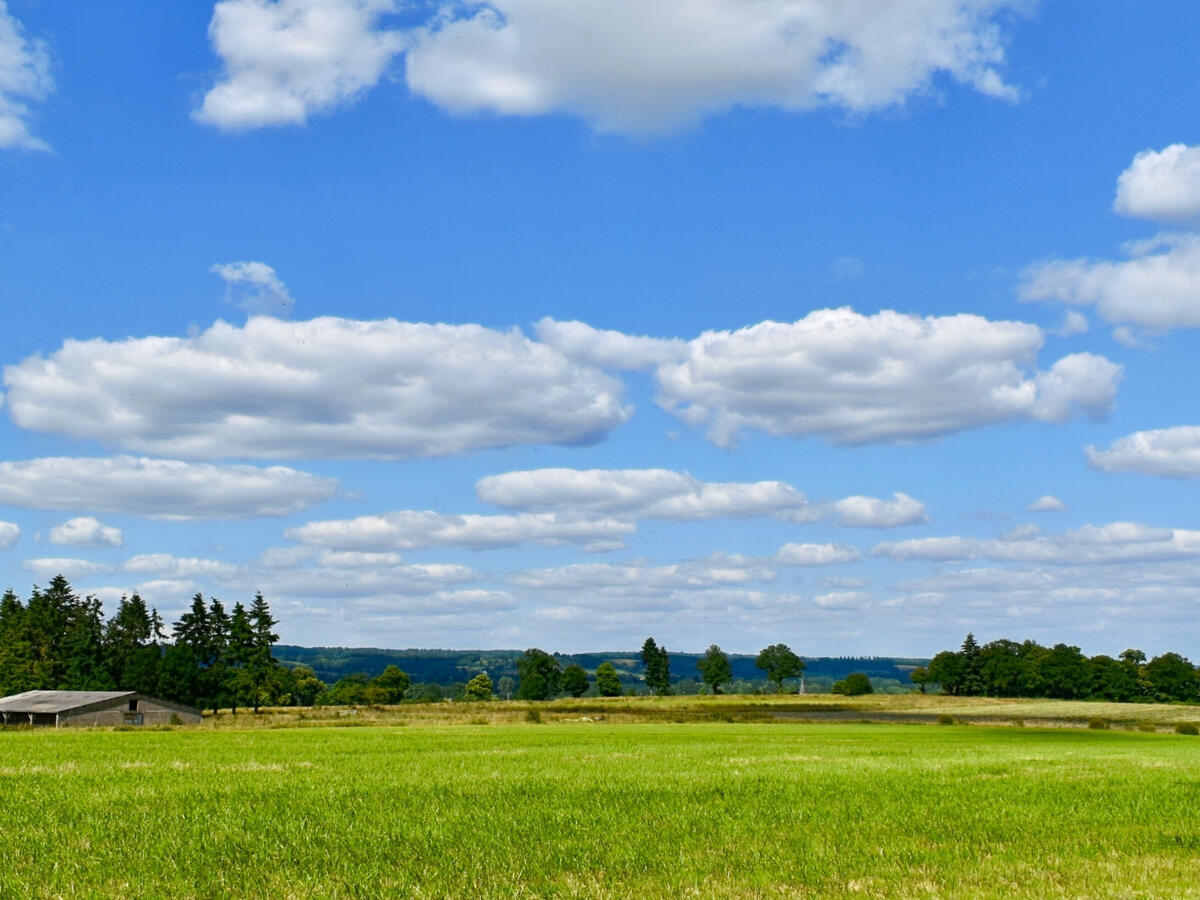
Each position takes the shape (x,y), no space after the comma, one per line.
(624,66)
(327,387)
(160,488)
(628,66)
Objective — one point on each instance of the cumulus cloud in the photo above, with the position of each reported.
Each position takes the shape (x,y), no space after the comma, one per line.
(1157,288)
(842,600)
(288,59)
(255,288)
(1161,184)
(889,377)
(1046,503)
(86,531)
(1116,542)
(160,488)
(1169,452)
(816,554)
(641,493)
(607,349)
(697,574)
(634,67)
(1074,322)
(327,387)
(9,535)
(871,512)
(666,494)
(415,529)
(24,78)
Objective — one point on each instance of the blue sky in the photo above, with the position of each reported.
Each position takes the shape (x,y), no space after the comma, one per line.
(852,325)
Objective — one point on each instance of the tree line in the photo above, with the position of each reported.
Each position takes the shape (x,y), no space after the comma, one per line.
(540,676)
(213,657)
(1004,668)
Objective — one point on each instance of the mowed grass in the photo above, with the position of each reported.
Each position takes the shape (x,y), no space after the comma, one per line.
(597,809)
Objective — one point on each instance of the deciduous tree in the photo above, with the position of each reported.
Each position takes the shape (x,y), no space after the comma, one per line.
(779,662)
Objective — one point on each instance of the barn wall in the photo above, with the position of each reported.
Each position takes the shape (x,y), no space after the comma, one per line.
(152,714)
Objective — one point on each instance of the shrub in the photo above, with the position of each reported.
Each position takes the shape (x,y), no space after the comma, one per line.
(1187,728)
(1018,723)
(1143,725)
(946,719)
(1098,723)
(533,715)
(175,720)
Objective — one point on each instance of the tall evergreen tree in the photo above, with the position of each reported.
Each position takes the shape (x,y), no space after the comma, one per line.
(262,669)
(16,653)
(47,616)
(239,653)
(658,667)
(83,663)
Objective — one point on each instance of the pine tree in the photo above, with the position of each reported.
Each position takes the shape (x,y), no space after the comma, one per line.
(16,653)
(261,666)
(83,664)
(658,667)
(238,657)
(47,615)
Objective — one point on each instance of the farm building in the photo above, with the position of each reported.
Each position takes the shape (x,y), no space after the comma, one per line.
(92,708)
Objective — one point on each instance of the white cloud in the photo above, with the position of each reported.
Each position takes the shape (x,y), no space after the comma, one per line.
(691,575)
(255,288)
(24,77)
(414,529)
(641,493)
(285,60)
(1157,288)
(165,565)
(71,569)
(889,377)
(1116,542)
(872,512)
(1161,184)
(160,488)
(1074,322)
(816,554)
(665,494)
(1046,503)
(637,67)
(86,531)
(9,535)
(607,349)
(1169,452)
(842,600)
(327,387)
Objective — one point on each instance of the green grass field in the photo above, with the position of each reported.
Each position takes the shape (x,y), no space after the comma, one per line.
(601,809)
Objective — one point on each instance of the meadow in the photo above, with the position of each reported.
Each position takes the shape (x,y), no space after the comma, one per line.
(485,804)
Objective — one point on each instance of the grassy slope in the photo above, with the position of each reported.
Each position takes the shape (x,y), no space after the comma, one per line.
(578,809)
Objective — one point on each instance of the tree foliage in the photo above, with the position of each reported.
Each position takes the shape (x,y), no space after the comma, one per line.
(1004,668)
(539,675)
(779,662)
(853,685)
(61,641)
(715,669)
(608,682)
(658,667)
(575,680)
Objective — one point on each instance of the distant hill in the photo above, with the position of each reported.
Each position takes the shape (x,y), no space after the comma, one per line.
(446,667)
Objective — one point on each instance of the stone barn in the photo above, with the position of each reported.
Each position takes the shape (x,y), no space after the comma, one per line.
(59,708)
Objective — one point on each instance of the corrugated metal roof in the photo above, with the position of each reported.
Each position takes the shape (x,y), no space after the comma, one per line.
(58,701)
